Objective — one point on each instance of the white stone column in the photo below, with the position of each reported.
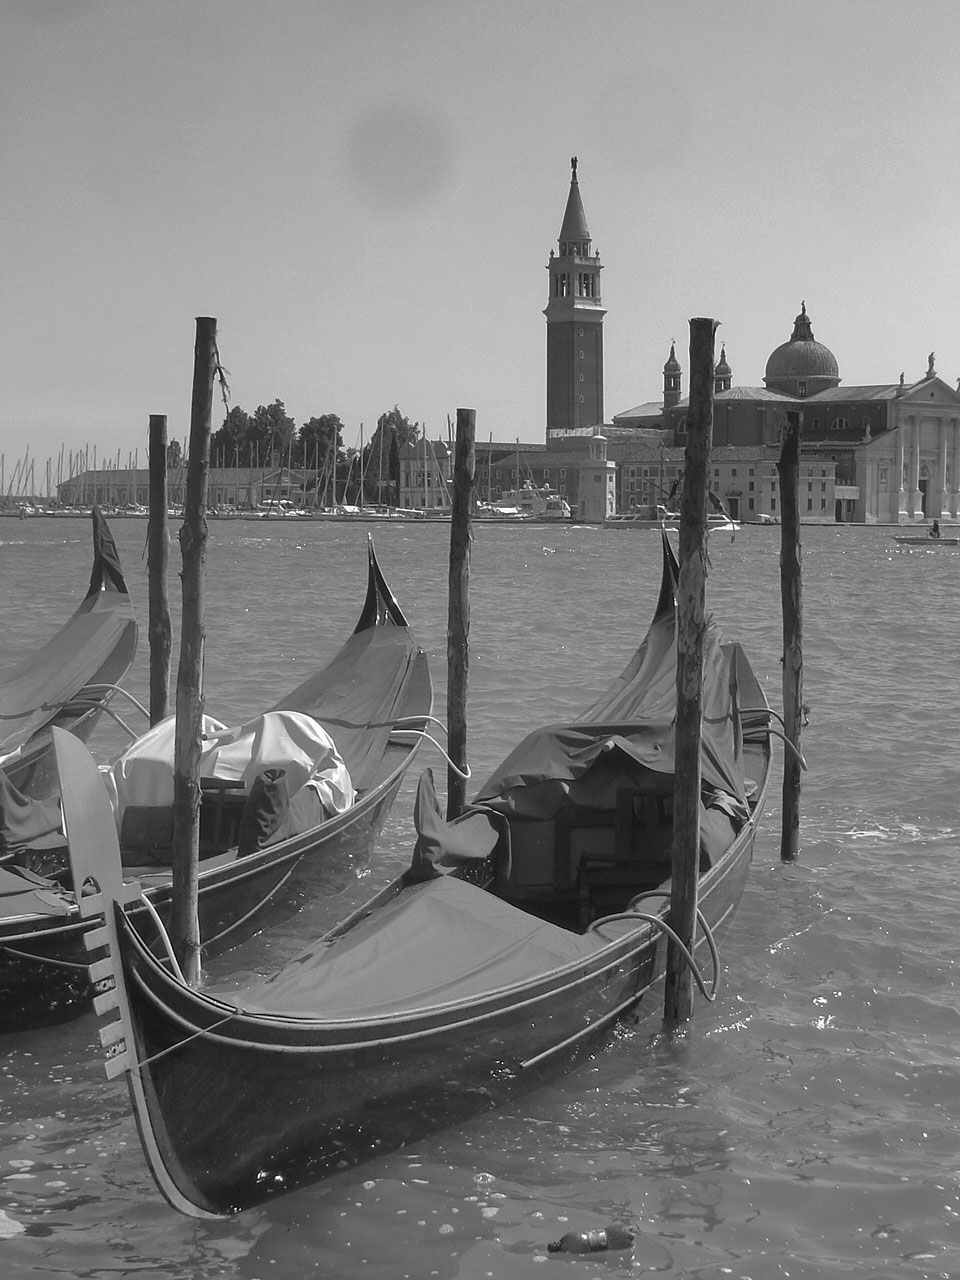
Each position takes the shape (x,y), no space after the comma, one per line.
(941,499)
(916,511)
(898,495)
(955,472)
(870,493)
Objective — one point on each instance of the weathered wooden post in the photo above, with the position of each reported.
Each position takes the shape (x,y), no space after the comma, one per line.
(691,615)
(791,602)
(184,925)
(458,613)
(158,556)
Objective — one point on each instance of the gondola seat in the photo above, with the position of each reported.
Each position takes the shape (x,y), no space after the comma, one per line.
(642,854)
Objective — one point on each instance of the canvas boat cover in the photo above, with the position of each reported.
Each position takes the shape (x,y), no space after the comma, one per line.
(35,690)
(359,695)
(22,894)
(626,735)
(440,940)
(287,740)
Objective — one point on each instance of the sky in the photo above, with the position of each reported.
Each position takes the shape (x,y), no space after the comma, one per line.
(365,193)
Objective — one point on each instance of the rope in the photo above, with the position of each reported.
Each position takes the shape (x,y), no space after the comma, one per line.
(51,960)
(465,774)
(164,936)
(661,924)
(421,719)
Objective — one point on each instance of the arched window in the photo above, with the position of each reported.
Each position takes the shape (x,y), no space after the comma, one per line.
(839,424)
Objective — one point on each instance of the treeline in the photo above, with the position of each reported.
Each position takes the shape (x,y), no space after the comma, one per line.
(269,437)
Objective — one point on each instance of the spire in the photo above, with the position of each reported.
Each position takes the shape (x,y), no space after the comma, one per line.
(574,229)
(722,374)
(671,379)
(802,330)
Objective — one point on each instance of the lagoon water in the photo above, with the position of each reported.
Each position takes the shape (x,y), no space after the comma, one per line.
(805,1125)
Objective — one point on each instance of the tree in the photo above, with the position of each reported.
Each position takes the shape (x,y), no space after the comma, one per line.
(407,432)
(318,436)
(230,445)
(381,460)
(271,432)
(318,449)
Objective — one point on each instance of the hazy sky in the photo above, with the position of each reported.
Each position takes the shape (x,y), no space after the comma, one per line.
(365,195)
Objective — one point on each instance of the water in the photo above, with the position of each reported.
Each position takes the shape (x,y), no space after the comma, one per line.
(806,1125)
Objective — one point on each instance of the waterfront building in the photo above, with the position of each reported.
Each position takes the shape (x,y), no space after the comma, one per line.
(426,475)
(744,479)
(892,450)
(240,487)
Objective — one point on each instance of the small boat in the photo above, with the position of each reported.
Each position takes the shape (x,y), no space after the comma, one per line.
(641,518)
(532,503)
(717,522)
(71,680)
(312,777)
(520,933)
(926,540)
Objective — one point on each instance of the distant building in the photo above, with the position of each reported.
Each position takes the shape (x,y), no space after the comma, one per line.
(744,478)
(892,451)
(574,315)
(426,475)
(242,487)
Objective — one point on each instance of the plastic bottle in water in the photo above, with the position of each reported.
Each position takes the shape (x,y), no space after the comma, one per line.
(592,1241)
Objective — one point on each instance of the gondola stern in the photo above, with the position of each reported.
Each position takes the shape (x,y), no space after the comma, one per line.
(95,863)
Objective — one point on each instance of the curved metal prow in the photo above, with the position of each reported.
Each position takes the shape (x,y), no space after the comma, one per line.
(380,605)
(106,559)
(670,577)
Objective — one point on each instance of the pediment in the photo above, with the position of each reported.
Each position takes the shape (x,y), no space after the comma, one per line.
(931,391)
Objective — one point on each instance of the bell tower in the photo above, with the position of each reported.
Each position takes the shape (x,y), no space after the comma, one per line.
(574,326)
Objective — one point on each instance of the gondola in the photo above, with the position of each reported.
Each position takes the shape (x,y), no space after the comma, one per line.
(72,679)
(520,933)
(309,779)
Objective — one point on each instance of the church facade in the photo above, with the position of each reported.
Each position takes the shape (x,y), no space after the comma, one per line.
(886,453)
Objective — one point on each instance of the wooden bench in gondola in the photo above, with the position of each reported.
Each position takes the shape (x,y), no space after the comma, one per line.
(146,831)
(638,857)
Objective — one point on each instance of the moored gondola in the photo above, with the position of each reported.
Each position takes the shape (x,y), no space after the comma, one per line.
(520,934)
(312,777)
(72,678)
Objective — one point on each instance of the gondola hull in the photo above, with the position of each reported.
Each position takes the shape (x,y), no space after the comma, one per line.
(318,1097)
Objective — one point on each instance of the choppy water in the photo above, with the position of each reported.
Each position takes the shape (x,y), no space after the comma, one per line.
(806,1125)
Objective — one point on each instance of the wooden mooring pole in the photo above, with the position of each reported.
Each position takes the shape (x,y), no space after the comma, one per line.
(158,558)
(691,619)
(791,601)
(458,613)
(184,924)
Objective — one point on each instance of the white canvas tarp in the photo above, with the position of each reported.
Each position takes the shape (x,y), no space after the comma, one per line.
(287,740)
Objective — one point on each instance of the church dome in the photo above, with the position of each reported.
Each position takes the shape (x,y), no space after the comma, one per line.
(801,360)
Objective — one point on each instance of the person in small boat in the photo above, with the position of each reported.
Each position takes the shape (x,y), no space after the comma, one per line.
(935,530)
